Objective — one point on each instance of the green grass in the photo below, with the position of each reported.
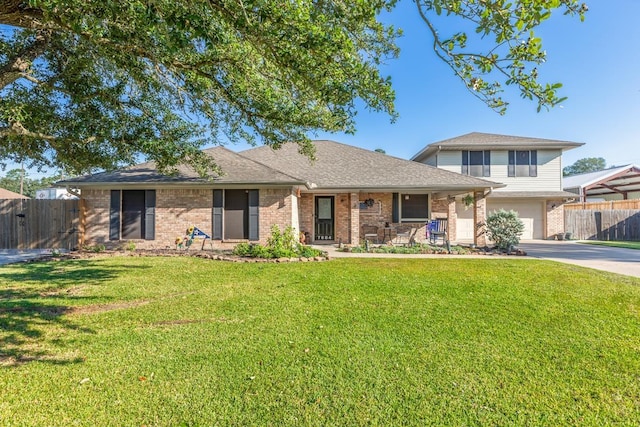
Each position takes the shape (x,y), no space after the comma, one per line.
(616,244)
(186,341)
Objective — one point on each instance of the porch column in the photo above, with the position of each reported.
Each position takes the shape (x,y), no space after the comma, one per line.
(452,219)
(354,219)
(479,219)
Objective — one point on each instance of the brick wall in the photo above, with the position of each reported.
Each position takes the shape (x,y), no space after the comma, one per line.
(479,217)
(275,208)
(305,213)
(177,210)
(343,218)
(555,218)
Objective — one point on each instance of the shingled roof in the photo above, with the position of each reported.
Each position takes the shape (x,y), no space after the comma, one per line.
(338,166)
(341,166)
(490,141)
(237,169)
(6,194)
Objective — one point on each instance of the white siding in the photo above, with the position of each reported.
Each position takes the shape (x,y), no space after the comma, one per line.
(431,160)
(450,160)
(549,170)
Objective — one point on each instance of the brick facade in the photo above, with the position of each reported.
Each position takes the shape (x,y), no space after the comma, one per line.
(275,208)
(178,209)
(555,218)
(479,218)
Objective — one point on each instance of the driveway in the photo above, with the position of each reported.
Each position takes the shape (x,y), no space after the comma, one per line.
(9,256)
(614,260)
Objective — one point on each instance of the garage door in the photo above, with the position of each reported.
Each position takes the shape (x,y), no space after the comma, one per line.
(530,212)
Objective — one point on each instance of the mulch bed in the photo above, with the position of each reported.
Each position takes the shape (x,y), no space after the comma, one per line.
(217,256)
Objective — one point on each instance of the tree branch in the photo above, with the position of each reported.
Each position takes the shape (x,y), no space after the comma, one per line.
(19,64)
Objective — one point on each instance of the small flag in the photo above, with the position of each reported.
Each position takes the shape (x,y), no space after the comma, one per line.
(199,233)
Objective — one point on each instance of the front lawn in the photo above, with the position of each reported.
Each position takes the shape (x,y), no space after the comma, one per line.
(187,341)
(616,244)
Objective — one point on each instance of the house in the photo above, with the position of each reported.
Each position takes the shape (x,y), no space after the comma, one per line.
(6,194)
(618,183)
(529,168)
(328,200)
(53,193)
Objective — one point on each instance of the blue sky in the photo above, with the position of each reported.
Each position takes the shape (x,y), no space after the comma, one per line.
(597,61)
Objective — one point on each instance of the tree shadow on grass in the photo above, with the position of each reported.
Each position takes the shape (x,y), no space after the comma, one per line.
(34,299)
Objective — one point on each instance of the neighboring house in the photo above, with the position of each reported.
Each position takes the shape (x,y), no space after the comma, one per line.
(6,194)
(619,183)
(330,199)
(50,193)
(530,168)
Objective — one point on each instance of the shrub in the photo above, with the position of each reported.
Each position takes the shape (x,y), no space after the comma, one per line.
(504,228)
(279,245)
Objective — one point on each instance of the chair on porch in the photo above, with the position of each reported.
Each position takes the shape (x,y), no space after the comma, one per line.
(370,233)
(405,236)
(437,228)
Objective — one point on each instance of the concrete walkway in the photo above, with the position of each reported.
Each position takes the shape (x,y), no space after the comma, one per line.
(606,258)
(10,256)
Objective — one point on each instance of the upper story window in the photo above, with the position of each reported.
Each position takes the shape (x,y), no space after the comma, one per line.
(523,163)
(476,163)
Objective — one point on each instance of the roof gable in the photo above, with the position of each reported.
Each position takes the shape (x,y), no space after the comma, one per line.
(488,141)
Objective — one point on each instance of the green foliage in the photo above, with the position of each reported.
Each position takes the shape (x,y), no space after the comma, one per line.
(131,246)
(615,244)
(280,244)
(588,164)
(513,51)
(504,228)
(382,342)
(108,80)
(96,84)
(95,248)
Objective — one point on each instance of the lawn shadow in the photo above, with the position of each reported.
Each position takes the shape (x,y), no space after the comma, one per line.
(34,298)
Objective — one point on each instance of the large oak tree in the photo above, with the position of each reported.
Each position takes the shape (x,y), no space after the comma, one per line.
(95,84)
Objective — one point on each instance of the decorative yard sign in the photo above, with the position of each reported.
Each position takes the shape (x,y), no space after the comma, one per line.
(193,232)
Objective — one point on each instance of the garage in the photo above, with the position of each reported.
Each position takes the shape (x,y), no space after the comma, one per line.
(531,212)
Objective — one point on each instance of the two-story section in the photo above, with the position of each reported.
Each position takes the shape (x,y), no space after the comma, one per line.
(531,169)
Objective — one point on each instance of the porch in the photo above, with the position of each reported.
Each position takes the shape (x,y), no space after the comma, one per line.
(345,217)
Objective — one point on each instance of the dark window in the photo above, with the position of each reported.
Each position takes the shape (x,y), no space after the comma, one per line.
(414,207)
(476,163)
(132,214)
(523,163)
(236,214)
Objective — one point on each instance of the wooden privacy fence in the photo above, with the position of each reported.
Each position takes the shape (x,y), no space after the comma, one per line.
(38,224)
(591,224)
(604,205)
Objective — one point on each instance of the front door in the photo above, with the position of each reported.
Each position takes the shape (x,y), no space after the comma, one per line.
(324,218)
